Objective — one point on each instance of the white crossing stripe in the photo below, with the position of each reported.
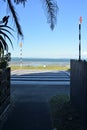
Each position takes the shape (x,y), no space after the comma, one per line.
(49,78)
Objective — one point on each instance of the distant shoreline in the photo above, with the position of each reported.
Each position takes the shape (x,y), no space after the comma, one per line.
(39,62)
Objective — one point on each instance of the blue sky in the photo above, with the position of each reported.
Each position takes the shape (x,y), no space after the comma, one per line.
(39,41)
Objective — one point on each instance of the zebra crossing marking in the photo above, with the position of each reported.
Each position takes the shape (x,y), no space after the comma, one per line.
(49,78)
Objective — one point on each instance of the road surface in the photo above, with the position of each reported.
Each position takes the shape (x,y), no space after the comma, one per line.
(30,95)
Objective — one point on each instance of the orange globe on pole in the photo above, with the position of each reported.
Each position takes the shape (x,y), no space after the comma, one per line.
(80,19)
(21,44)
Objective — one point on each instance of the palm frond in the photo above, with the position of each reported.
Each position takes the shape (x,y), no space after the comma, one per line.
(5,30)
(3,44)
(51,12)
(20,1)
(5,35)
(13,11)
(5,26)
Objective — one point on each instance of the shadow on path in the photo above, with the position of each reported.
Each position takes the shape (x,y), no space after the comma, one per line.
(29,116)
(29,108)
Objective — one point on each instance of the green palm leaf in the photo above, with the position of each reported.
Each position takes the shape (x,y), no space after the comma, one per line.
(3,44)
(6,31)
(5,35)
(13,11)
(49,5)
(5,26)
(51,12)
(20,1)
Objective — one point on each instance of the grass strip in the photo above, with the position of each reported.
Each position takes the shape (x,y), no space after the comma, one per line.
(64,114)
(40,67)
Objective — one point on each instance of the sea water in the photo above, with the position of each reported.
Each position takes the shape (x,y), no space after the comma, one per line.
(39,61)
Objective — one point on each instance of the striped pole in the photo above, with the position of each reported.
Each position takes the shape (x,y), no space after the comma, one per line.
(21,64)
(80,21)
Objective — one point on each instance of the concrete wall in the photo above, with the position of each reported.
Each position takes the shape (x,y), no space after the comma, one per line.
(4,89)
(78,86)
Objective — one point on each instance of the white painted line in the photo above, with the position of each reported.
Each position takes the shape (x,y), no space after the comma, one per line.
(42,76)
(40,79)
(41,82)
(21,72)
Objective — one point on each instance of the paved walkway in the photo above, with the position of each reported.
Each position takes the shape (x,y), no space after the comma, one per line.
(30,95)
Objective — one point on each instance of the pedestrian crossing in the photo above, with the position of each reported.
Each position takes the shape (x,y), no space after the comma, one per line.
(47,77)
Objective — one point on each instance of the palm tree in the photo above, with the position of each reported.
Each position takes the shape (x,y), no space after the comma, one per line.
(50,7)
(4,29)
(5,33)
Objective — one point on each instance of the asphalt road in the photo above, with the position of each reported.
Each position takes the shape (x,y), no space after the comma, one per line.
(30,95)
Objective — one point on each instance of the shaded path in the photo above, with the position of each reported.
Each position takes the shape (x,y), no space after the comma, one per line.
(29,116)
(30,102)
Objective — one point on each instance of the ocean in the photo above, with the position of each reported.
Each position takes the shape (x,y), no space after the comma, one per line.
(39,61)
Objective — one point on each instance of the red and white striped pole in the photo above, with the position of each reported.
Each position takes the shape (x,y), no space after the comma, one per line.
(21,64)
(80,21)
